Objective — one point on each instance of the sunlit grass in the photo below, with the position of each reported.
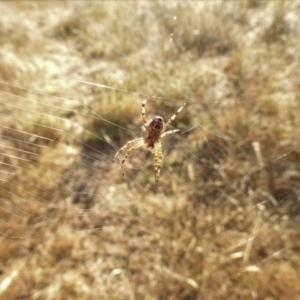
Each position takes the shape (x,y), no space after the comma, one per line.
(223,221)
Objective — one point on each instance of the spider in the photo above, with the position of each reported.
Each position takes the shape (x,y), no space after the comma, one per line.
(155,130)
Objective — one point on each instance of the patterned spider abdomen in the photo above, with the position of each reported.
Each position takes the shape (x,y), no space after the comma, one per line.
(154,129)
(157,123)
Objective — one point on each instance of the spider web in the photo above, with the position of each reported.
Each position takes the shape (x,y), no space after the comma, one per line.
(67,213)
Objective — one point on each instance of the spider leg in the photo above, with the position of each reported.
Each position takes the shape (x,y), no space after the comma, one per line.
(139,143)
(175,115)
(144,110)
(169,132)
(158,157)
(135,141)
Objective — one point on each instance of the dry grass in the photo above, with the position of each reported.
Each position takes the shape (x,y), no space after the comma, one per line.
(223,222)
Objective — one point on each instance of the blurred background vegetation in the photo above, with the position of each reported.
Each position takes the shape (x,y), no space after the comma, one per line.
(223,223)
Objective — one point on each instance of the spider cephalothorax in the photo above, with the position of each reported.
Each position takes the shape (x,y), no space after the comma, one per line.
(155,130)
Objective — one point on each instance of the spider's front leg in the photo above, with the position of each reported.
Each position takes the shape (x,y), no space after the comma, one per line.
(158,157)
(144,110)
(175,115)
(169,132)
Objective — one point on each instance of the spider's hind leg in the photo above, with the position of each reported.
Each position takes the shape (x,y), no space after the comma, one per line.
(138,143)
(135,141)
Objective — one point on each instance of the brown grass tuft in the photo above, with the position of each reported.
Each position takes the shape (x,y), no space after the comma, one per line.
(223,223)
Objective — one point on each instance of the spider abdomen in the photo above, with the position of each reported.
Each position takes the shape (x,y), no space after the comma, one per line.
(154,129)
(157,123)
(150,142)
